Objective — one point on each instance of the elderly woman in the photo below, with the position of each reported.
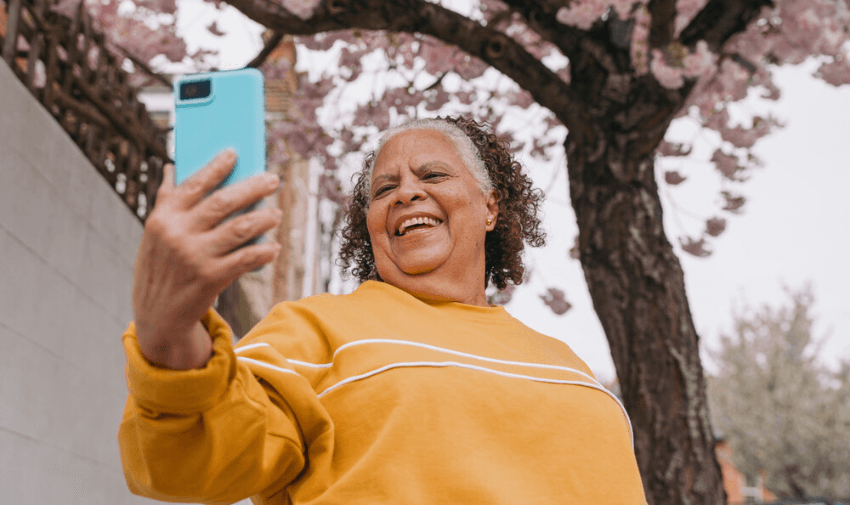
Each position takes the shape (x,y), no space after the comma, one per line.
(410,390)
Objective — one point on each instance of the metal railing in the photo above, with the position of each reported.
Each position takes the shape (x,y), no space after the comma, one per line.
(66,64)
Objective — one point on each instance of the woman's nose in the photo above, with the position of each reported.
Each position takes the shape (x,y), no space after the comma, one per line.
(409,191)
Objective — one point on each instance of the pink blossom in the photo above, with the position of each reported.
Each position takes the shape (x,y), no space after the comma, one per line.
(715,226)
(771,91)
(144,42)
(351,55)
(835,72)
(502,297)
(376,114)
(575,251)
(556,301)
(667,76)
(330,188)
(581,13)
(301,8)
(685,12)
(521,98)
(438,56)
(299,143)
(726,164)
(325,41)
(213,28)
(350,143)
(673,178)
(694,247)
(673,149)
(466,97)
(733,81)
(740,136)
(402,98)
(551,121)
(670,68)
(529,39)
(468,67)
(733,202)
(746,137)
(701,63)
(540,149)
(624,8)
(439,98)
(163,6)
(716,119)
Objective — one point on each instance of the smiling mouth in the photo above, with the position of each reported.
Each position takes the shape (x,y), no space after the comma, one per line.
(416,223)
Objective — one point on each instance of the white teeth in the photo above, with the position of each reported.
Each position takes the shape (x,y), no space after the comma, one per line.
(430,221)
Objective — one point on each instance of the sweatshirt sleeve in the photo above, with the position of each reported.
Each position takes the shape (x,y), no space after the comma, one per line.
(216,434)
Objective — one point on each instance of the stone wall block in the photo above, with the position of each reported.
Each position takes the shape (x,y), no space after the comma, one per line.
(67,244)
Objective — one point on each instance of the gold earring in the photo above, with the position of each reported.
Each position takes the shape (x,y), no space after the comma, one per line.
(489,221)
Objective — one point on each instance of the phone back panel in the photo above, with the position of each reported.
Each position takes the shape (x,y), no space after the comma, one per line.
(232,115)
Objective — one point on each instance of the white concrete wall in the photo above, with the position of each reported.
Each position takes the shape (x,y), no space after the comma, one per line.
(67,245)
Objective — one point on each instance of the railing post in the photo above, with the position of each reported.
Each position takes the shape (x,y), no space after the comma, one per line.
(10,39)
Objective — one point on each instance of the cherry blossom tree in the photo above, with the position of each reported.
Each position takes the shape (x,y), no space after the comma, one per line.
(602,79)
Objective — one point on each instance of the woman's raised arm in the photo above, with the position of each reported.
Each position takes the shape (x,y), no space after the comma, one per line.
(189,254)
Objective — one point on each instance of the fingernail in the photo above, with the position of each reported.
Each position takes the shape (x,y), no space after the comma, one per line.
(272,179)
(228,154)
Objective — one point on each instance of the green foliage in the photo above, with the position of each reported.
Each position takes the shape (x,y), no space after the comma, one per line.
(780,409)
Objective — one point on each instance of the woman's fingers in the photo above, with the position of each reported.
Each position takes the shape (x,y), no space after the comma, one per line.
(167,177)
(198,185)
(241,261)
(225,201)
(239,230)
(209,210)
(187,255)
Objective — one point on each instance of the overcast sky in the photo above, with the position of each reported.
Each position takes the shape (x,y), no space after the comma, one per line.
(794,228)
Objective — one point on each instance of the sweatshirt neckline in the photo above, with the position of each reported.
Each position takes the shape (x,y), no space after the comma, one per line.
(457,307)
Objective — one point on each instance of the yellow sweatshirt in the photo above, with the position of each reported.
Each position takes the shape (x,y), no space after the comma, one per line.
(378,397)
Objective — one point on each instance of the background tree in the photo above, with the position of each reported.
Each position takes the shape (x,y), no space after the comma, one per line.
(779,408)
(615,74)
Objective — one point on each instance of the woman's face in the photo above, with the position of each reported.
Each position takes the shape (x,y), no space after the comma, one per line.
(427,219)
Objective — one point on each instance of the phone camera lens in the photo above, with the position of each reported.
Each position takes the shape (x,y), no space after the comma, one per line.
(195,90)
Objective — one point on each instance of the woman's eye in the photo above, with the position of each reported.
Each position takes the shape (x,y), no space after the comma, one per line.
(380,191)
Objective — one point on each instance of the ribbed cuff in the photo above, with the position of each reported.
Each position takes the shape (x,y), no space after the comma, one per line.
(163,390)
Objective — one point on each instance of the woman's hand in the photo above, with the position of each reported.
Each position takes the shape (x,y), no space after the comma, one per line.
(188,256)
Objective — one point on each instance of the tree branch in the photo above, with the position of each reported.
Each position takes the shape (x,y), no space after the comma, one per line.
(663,22)
(419,16)
(719,20)
(270,46)
(540,17)
(144,66)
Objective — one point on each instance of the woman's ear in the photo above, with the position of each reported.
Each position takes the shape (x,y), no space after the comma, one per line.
(492,210)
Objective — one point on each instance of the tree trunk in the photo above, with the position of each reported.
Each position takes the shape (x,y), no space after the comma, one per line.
(638,292)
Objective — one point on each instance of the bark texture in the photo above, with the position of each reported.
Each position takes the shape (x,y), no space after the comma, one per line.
(638,292)
(615,120)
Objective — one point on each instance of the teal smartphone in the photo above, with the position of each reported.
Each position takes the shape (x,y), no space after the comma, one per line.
(217,110)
